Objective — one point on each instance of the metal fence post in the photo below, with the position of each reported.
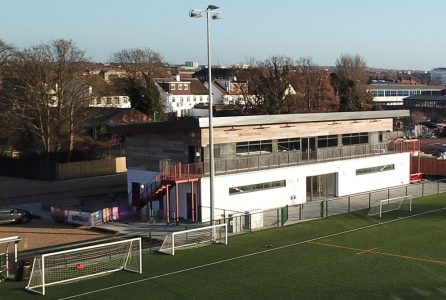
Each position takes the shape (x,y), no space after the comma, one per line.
(326,208)
(422,189)
(438,187)
(278,217)
(300,211)
(348,203)
(388,193)
(322,209)
(406,189)
(370,199)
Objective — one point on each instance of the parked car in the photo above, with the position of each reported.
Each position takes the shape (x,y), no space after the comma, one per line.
(14,215)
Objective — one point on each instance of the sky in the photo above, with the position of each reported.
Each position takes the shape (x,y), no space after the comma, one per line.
(393,34)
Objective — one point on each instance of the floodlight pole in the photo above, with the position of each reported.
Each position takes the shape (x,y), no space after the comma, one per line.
(215,15)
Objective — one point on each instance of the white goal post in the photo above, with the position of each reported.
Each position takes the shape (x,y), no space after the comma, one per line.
(81,263)
(217,234)
(386,205)
(5,251)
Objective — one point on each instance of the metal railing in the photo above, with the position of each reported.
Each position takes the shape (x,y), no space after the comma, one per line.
(293,158)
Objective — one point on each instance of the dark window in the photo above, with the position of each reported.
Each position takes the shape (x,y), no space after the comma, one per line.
(288,145)
(254,147)
(327,141)
(257,187)
(377,169)
(355,138)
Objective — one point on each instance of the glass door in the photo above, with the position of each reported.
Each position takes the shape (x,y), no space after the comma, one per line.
(308,148)
(321,187)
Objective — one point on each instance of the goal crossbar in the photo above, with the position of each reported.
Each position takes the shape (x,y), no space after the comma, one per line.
(6,251)
(386,205)
(194,237)
(85,262)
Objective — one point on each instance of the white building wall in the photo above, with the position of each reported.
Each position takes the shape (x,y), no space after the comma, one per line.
(397,100)
(295,191)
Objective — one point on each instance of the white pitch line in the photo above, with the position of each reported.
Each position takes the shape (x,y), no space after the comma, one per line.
(248,255)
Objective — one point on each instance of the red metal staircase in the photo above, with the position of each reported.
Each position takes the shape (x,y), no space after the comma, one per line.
(168,178)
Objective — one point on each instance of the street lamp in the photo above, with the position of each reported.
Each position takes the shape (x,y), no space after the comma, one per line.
(210,12)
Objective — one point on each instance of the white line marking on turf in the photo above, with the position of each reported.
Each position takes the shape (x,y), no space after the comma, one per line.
(366,251)
(248,255)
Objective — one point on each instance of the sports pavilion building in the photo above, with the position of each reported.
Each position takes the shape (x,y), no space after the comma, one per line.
(261,162)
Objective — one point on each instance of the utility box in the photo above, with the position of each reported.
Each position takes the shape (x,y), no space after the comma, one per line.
(236,223)
(254,219)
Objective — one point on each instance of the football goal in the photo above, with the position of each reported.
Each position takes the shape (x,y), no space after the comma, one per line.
(81,263)
(217,234)
(386,205)
(8,255)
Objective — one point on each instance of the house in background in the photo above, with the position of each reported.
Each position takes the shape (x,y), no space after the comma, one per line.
(229,91)
(179,96)
(102,117)
(103,94)
(261,162)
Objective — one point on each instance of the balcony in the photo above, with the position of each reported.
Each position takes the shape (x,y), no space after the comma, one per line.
(295,158)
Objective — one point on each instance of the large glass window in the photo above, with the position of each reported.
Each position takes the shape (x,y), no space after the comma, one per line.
(327,141)
(355,138)
(377,169)
(257,187)
(403,93)
(254,147)
(288,145)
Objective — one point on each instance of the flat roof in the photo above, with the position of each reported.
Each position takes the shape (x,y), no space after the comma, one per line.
(190,124)
(301,118)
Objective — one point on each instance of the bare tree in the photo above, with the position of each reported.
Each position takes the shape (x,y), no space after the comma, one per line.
(352,67)
(350,82)
(45,92)
(270,84)
(142,66)
(6,52)
(314,91)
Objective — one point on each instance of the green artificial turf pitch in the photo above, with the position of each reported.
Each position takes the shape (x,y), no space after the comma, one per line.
(350,256)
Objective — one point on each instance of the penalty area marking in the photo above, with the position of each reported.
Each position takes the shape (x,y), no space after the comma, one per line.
(372,251)
(248,255)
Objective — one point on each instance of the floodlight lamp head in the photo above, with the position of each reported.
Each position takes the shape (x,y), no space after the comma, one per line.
(217,16)
(212,7)
(195,14)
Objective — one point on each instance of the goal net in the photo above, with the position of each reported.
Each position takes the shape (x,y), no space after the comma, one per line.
(80,263)
(386,205)
(195,237)
(8,256)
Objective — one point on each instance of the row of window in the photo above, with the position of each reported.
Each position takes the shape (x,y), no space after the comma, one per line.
(295,144)
(282,183)
(377,169)
(254,147)
(257,187)
(425,103)
(180,86)
(188,99)
(394,93)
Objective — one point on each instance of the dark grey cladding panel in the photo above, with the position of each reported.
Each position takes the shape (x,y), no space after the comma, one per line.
(301,118)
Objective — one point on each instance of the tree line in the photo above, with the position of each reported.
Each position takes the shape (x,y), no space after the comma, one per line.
(44,90)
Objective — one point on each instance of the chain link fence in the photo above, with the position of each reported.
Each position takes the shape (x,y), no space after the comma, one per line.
(291,214)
